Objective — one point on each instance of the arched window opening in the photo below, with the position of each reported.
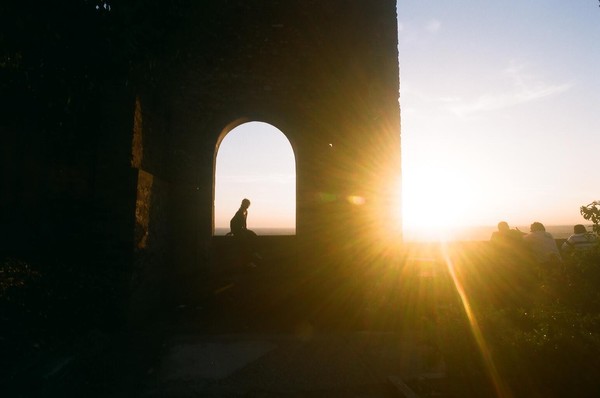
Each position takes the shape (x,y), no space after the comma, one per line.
(255,160)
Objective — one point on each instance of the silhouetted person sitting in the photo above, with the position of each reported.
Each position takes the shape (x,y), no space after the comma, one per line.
(506,237)
(246,237)
(509,253)
(543,248)
(507,244)
(580,241)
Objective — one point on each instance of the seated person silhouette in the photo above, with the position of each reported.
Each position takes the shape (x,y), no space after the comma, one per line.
(580,241)
(505,235)
(508,243)
(245,236)
(543,248)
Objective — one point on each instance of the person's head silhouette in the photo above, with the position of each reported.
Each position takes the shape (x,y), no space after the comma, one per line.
(537,227)
(245,203)
(503,226)
(579,229)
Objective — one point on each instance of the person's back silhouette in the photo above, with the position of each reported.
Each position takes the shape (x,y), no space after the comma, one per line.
(246,237)
(238,222)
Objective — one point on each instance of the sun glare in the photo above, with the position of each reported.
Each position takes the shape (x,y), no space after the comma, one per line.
(435,200)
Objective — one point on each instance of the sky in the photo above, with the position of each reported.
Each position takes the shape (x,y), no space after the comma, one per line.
(500,112)
(500,109)
(256,161)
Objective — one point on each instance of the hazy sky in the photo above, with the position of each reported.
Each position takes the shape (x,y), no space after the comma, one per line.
(500,105)
(256,161)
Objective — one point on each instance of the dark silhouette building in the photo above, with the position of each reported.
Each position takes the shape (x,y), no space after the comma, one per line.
(323,72)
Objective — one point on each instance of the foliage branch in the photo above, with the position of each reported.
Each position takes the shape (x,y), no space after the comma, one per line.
(591,212)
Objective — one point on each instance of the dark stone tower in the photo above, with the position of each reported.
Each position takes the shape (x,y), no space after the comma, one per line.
(325,73)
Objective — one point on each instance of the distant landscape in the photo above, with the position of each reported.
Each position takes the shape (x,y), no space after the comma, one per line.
(472,233)
(261,231)
(475,233)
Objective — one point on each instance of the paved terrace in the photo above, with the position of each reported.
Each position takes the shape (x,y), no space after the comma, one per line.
(267,331)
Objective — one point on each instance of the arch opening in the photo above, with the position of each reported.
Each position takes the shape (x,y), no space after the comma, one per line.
(255,160)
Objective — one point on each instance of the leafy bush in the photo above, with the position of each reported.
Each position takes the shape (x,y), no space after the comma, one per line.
(591,212)
(15,274)
(48,303)
(544,344)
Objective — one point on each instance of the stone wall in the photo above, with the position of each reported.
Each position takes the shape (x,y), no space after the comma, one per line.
(324,73)
(130,185)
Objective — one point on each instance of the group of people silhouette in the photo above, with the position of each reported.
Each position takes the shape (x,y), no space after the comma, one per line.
(541,245)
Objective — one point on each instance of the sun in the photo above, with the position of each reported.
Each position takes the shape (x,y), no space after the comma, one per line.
(436,199)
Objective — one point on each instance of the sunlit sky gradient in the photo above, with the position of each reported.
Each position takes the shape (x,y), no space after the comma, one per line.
(256,161)
(500,105)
